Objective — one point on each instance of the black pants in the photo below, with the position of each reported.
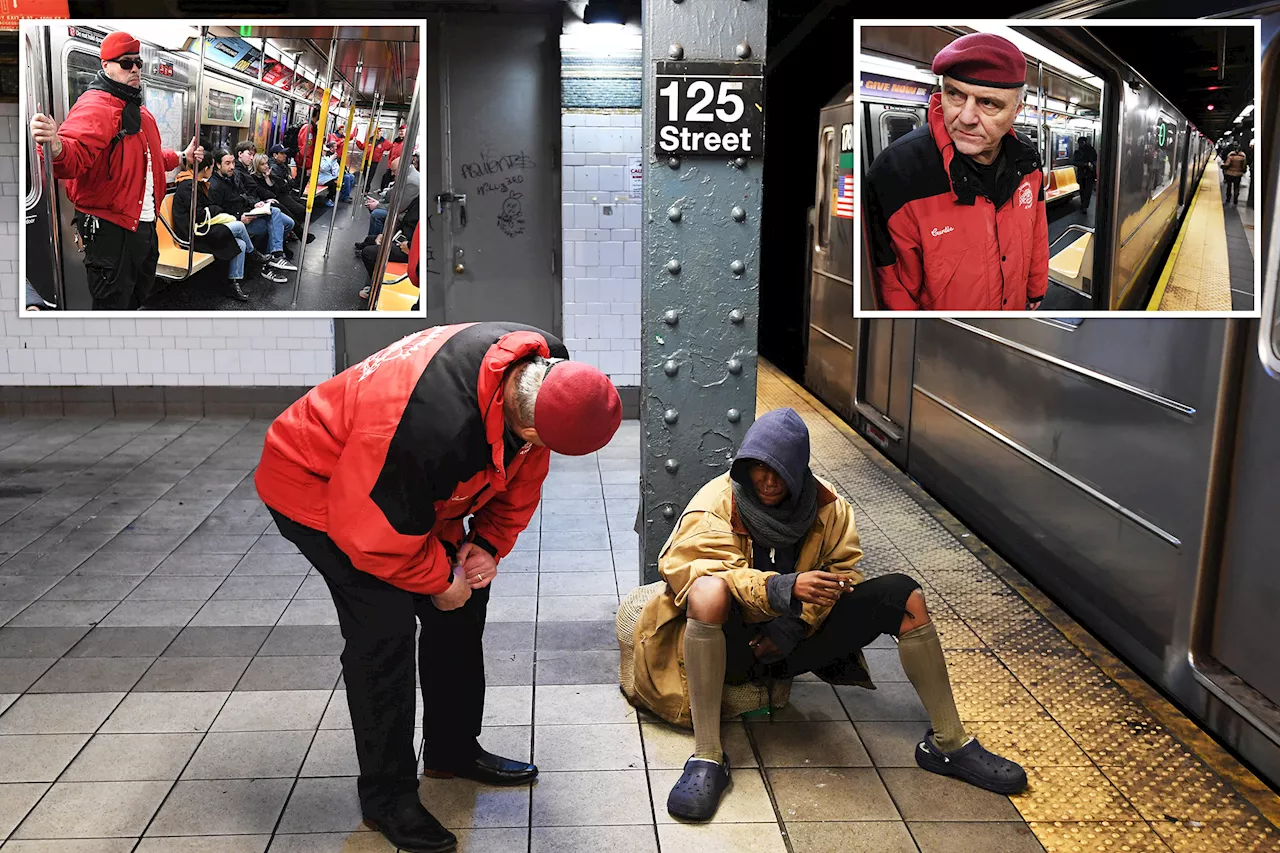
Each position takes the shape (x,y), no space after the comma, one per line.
(369,255)
(378,622)
(387,177)
(873,608)
(368,176)
(297,212)
(1233,188)
(121,265)
(1086,192)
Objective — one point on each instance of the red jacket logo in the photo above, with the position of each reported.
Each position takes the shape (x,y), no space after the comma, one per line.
(1026,197)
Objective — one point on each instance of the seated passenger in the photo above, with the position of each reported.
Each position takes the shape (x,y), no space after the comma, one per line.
(327,181)
(379,204)
(270,185)
(226,241)
(368,248)
(761,584)
(232,194)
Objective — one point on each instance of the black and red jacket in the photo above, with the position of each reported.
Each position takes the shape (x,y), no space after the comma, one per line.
(389,456)
(938,243)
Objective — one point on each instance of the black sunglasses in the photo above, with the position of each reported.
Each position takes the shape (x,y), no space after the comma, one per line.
(127,64)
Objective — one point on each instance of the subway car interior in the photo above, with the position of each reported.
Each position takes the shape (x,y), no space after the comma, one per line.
(247,87)
(1089,109)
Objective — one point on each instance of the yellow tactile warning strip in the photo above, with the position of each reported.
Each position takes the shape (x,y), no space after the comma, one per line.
(1112,765)
(1197,276)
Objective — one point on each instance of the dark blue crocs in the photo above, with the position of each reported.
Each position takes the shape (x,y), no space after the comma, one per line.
(697,795)
(973,764)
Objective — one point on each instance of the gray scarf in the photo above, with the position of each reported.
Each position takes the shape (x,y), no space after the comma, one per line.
(782,525)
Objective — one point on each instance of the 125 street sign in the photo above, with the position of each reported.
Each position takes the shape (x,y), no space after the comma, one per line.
(709,109)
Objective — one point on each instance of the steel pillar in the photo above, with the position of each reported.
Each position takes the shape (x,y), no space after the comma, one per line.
(701,279)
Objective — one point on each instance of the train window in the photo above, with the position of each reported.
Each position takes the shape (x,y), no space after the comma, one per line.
(894,126)
(35,183)
(826,170)
(167,105)
(1161,168)
(81,69)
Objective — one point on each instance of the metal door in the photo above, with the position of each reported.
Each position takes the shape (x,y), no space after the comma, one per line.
(500,150)
(493,137)
(886,368)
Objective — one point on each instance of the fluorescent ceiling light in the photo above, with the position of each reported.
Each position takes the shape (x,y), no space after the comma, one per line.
(1031,47)
(168,36)
(893,68)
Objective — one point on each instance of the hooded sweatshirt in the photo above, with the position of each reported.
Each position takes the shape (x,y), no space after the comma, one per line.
(780,439)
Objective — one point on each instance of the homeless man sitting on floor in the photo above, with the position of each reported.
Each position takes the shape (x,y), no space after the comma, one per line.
(761,584)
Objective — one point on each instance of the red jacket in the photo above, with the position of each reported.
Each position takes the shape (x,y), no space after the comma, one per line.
(381,148)
(389,456)
(938,243)
(396,148)
(110,187)
(304,146)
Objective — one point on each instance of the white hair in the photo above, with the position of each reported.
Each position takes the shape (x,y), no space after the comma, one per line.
(529,376)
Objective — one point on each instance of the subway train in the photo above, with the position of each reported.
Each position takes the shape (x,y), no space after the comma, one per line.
(240,98)
(1150,157)
(1126,466)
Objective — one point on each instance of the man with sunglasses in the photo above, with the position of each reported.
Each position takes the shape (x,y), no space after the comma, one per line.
(109,152)
(374,475)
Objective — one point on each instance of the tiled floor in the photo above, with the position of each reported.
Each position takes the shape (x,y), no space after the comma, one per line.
(169,681)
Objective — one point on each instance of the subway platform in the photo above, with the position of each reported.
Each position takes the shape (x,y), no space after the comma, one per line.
(169,680)
(1211,265)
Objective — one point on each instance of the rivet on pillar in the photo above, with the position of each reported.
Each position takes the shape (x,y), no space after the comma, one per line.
(672,465)
(670,416)
(733,415)
(668,512)
(743,50)
(673,162)
(670,367)
(673,266)
(736,317)
(738,214)
(740,162)
(674,214)
(735,366)
(671,316)
(737,267)
(675,51)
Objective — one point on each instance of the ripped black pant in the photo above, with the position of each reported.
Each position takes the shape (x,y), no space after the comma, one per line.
(872,608)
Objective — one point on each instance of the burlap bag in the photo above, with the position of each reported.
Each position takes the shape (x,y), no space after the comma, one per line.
(738,698)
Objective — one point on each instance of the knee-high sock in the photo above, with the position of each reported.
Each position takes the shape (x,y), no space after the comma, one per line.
(704,663)
(922,660)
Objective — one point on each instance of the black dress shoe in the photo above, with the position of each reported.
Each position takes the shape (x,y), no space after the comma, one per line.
(488,769)
(235,292)
(413,829)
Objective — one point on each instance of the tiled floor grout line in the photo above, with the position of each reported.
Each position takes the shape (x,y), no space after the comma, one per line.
(533,688)
(768,783)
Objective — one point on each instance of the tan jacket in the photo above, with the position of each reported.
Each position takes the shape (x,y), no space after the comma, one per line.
(1235,165)
(710,538)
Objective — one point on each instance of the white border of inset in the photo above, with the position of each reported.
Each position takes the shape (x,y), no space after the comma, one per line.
(125,23)
(979,24)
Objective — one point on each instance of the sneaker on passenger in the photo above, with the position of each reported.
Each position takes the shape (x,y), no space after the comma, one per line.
(972,763)
(278,261)
(273,275)
(364,291)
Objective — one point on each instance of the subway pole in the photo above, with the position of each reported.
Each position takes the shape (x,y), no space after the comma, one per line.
(317,150)
(375,116)
(397,196)
(342,167)
(195,183)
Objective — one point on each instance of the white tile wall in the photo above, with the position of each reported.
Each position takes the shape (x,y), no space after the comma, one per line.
(602,226)
(143,351)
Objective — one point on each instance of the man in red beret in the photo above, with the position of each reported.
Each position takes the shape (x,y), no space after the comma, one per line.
(108,151)
(955,210)
(372,475)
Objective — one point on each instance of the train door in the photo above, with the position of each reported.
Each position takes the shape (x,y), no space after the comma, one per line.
(886,364)
(832,329)
(40,205)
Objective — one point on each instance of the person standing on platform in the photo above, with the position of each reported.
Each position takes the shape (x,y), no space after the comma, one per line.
(109,153)
(1233,170)
(955,210)
(373,475)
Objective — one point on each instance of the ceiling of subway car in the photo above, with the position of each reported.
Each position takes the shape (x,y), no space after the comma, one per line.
(391,56)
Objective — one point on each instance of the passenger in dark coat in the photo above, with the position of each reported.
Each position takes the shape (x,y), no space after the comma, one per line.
(227,242)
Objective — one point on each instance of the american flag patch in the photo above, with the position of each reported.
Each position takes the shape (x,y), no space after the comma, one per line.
(844,197)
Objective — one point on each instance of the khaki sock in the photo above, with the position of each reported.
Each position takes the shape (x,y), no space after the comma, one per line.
(704,663)
(922,660)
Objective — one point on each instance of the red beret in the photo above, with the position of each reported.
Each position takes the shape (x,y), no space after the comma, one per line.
(983,59)
(119,44)
(578,410)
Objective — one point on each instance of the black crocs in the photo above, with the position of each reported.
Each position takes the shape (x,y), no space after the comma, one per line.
(972,763)
(697,795)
